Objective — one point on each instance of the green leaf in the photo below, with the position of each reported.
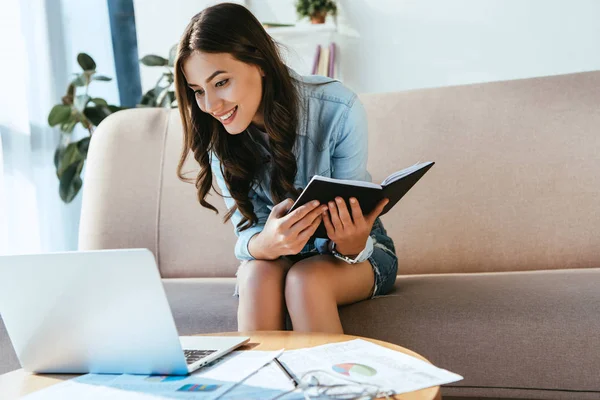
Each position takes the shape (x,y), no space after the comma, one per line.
(152,60)
(58,154)
(81,101)
(70,182)
(162,96)
(59,114)
(71,155)
(79,81)
(68,126)
(149,98)
(172,55)
(86,62)
(83,145)
(114,109)
(170,77)
(96,114)
(99,101)
(101,78)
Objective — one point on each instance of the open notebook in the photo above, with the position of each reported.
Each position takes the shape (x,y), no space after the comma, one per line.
(368,194)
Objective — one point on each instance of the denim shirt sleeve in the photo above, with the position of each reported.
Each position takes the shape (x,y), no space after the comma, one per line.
(260,209)
(349,158)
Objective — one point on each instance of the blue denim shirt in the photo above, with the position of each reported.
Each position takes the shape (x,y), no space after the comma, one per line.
(331,141)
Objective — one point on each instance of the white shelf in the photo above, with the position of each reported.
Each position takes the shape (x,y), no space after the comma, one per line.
(300,42)
(301,30)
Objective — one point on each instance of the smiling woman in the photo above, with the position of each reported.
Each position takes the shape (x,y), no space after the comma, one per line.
(232,94)
(263,131)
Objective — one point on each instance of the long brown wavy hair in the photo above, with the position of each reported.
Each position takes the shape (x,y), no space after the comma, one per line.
(231,28)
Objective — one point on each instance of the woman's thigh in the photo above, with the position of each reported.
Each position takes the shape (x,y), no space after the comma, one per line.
(258,276)
(324,276)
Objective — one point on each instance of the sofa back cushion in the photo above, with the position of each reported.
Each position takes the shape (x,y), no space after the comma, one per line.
(515,185)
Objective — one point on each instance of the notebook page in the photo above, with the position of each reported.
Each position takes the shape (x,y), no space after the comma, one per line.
(347,182)
(406,171)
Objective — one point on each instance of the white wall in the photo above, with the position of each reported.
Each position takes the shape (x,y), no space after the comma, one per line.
(426,43)
(389,45)
(86,28)
(159,25)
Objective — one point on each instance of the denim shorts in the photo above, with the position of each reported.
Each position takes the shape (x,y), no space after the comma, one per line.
(383,260)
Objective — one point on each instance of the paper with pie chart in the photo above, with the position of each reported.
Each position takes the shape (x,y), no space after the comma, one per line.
(354,370)
(363,361)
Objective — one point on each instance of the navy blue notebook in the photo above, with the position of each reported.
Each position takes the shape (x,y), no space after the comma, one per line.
(368,194)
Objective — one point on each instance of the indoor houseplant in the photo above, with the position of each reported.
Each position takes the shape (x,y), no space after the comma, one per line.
(316,10)
(74,109)
(162,94)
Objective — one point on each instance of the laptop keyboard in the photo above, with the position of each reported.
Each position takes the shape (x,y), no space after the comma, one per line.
(191,356)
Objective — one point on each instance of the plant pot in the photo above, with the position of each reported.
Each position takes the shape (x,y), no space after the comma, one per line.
(318,18)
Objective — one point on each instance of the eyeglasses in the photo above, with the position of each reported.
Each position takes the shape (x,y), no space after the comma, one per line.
(323,385)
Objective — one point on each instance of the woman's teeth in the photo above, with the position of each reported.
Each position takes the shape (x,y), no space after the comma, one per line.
(228,115)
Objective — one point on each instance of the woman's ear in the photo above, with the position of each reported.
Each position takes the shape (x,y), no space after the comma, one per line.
(262,73)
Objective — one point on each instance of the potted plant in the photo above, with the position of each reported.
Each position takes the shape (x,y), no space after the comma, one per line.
(163,93)
(74,109)
(316,10)
(88,111)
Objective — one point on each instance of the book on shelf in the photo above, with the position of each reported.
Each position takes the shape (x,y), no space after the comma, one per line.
(368,194)
(316,60)
(331,72)
(323,61)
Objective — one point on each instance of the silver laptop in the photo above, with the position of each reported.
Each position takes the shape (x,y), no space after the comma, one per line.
(99,311)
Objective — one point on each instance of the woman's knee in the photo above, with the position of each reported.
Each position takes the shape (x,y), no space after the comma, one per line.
(261,274)
(305,279)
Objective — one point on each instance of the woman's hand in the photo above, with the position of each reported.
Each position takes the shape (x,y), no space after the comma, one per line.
(286,234)
(350,234)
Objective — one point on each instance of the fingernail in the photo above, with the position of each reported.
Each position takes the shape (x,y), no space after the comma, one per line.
(338,199)
(353,200)
(315,203)
(331,204)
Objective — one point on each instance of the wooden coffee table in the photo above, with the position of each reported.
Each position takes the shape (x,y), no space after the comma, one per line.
(19,383)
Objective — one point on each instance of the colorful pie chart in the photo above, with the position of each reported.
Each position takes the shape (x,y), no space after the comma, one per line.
(354,370)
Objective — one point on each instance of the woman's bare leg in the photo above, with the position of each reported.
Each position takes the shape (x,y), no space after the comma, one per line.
(316,286)
(261,288)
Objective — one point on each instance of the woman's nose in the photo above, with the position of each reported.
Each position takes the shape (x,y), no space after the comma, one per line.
(212,103)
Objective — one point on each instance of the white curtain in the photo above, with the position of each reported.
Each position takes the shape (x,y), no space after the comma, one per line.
(32,216)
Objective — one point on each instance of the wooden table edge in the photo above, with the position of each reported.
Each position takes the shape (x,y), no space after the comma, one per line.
(30,383)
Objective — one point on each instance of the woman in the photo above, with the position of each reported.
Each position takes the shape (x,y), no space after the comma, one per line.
(264,131)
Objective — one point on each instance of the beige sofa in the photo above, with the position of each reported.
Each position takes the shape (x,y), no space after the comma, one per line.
(498,245)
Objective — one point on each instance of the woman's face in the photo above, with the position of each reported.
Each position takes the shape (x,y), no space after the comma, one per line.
(226,88)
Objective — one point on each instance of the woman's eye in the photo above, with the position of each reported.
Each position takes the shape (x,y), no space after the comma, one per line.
(221,83)
(199,92)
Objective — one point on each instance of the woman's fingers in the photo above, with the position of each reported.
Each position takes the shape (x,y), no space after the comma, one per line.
(357,215)
(335,216)
(308,232)
(343,212)
(299,213)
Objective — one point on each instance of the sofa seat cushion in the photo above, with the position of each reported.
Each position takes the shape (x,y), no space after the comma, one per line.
(508,332)
(511,335)
(202,305)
